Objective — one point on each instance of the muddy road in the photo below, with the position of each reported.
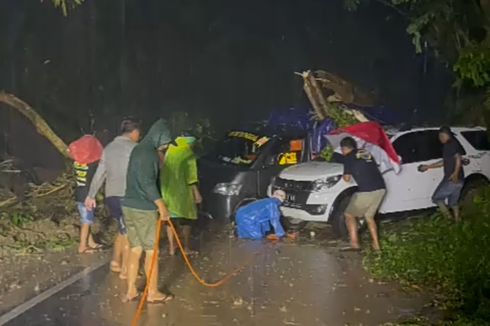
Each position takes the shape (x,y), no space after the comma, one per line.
(309,282)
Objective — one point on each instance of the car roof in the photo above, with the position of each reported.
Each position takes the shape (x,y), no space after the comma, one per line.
(456,129)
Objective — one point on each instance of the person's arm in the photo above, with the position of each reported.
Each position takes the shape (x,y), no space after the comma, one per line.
(148,181)
(347,176)
(457,169)
(193,179)
(436,165)
(96,183)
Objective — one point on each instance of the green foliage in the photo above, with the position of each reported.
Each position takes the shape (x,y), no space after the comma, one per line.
(473,65)
(19,219)
(453,259)
(65,5)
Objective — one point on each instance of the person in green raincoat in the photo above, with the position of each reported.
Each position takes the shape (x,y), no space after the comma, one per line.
(179,187)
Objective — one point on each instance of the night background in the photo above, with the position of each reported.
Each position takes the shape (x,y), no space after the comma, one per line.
(229,61)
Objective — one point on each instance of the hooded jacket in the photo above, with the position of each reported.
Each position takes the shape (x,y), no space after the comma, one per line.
(142,177)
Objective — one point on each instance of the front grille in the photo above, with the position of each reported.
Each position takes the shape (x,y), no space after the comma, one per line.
(293,185)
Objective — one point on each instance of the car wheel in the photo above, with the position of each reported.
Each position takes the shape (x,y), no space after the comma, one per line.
(338,219)
(244,202)
(470,189)
(292,224)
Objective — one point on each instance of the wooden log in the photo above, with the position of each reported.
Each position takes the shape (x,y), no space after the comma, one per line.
(39,123)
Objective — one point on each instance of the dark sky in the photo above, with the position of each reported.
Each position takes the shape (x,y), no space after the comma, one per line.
(229,60)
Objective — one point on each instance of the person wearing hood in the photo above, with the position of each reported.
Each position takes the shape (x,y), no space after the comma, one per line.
(179,184)
(143,206)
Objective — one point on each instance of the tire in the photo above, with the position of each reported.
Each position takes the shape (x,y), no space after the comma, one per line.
(338,219)
(244,202)
(470,189)
(291,224)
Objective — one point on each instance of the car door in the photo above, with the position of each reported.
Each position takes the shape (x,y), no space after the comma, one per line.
(412,189)
(283,153)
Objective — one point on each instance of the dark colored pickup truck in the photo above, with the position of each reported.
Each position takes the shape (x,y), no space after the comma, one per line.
(242,165)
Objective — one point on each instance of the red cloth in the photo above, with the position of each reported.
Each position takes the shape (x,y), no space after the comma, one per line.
(86,149)
(371,136)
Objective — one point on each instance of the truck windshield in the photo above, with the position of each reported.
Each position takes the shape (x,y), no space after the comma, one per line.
(240,148)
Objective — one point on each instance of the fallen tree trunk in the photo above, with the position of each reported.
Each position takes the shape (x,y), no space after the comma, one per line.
(39,123)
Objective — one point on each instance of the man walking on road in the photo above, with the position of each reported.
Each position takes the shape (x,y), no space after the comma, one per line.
(361,166)
(451,185)
(143,206)
(112,170)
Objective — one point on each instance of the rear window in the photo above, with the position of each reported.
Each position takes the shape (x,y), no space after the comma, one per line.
(478,139)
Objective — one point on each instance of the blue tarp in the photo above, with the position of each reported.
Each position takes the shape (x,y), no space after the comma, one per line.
(256,219)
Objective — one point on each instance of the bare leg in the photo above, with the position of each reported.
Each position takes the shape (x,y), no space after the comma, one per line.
(91,241)
(186,232)
(373,230)
(457,215)
(444,210)
(84,232)
(133,267)
(171,241)
(125,256)
(351,223)
(116,255)
(153,293)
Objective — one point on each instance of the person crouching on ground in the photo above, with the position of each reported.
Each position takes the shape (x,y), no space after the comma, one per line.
(143,206)
(86,153)
(112,170)
(179,185)
(257,219)
(453,181)
(361,166)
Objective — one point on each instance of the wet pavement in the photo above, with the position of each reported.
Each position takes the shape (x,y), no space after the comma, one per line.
(309,282)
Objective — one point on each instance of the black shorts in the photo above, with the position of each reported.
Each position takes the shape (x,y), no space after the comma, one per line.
(180,221)
(115,209)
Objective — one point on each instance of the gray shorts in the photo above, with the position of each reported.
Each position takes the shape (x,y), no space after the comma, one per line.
(365,204)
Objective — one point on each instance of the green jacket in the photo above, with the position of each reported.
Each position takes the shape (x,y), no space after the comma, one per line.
(142,178)
(178,175)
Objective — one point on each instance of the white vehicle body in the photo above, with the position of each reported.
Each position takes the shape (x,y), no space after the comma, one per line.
(313,189)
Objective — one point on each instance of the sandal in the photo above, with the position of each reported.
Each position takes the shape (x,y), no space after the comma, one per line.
(126,299)
(97,246)
(115,267)
(89,251)
(350,249)
(166,298)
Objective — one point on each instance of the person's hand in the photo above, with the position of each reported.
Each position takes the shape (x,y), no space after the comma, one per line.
(197,197)
(90,203)
(164,215)
(423,168)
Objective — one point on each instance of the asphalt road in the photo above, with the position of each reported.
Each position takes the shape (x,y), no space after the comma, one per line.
(308,282)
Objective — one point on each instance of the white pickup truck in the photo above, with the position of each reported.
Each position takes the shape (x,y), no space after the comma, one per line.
(316,191)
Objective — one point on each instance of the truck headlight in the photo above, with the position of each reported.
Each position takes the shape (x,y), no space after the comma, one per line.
(227,189)
(321,184)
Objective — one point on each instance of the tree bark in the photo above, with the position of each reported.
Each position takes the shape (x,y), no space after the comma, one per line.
(39,123)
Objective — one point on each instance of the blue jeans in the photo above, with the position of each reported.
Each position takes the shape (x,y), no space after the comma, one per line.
(86,216)
(115,209)
(448,190)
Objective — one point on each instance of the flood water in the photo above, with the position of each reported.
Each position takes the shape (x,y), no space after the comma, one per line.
(308,282)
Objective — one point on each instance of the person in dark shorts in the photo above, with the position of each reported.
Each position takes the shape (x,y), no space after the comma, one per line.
(86,153)
(180,191)
(361,166)
(143,206)
(112,170)
(452,183)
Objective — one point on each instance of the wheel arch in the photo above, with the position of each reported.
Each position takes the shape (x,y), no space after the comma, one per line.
(345,193)
(475,177)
